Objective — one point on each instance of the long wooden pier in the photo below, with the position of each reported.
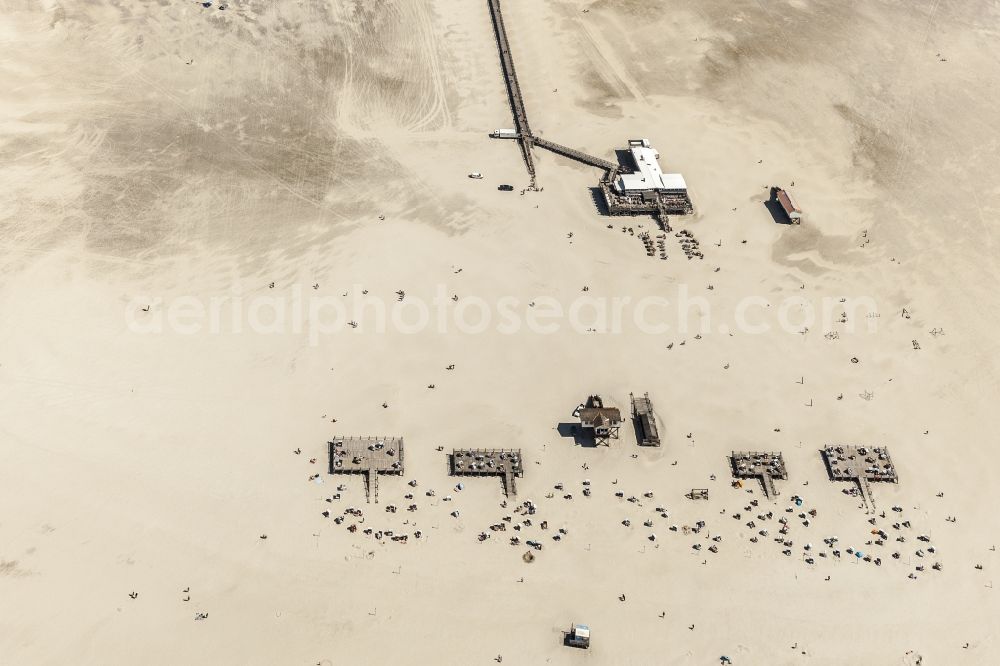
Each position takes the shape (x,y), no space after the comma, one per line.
(524,135)
(659,205)
(525,138)
(645,421)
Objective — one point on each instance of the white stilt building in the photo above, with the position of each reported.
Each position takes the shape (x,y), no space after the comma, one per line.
(648,176)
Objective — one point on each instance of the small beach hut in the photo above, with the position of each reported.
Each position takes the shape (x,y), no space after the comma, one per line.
(793,212)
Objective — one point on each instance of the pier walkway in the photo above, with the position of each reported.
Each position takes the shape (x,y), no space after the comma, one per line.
(525,138)
(574,154)
(659,204)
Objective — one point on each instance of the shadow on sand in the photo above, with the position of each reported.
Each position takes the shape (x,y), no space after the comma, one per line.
(599,202)
(624,158)
(579,435)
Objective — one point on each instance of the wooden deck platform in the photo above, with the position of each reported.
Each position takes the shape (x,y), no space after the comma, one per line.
(862,465)
(764,465)
(370,456)
(506,463)
(660,206)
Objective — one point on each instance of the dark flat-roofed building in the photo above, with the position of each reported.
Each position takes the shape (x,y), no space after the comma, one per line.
(646,432)
(793,212)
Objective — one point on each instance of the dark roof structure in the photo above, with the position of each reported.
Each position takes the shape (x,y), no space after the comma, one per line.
(600,417)
(646,433)
(791,210)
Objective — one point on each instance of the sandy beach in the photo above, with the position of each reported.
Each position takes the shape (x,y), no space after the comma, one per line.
(230,233)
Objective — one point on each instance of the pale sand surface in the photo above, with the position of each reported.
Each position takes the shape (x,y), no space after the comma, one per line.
(153,462)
